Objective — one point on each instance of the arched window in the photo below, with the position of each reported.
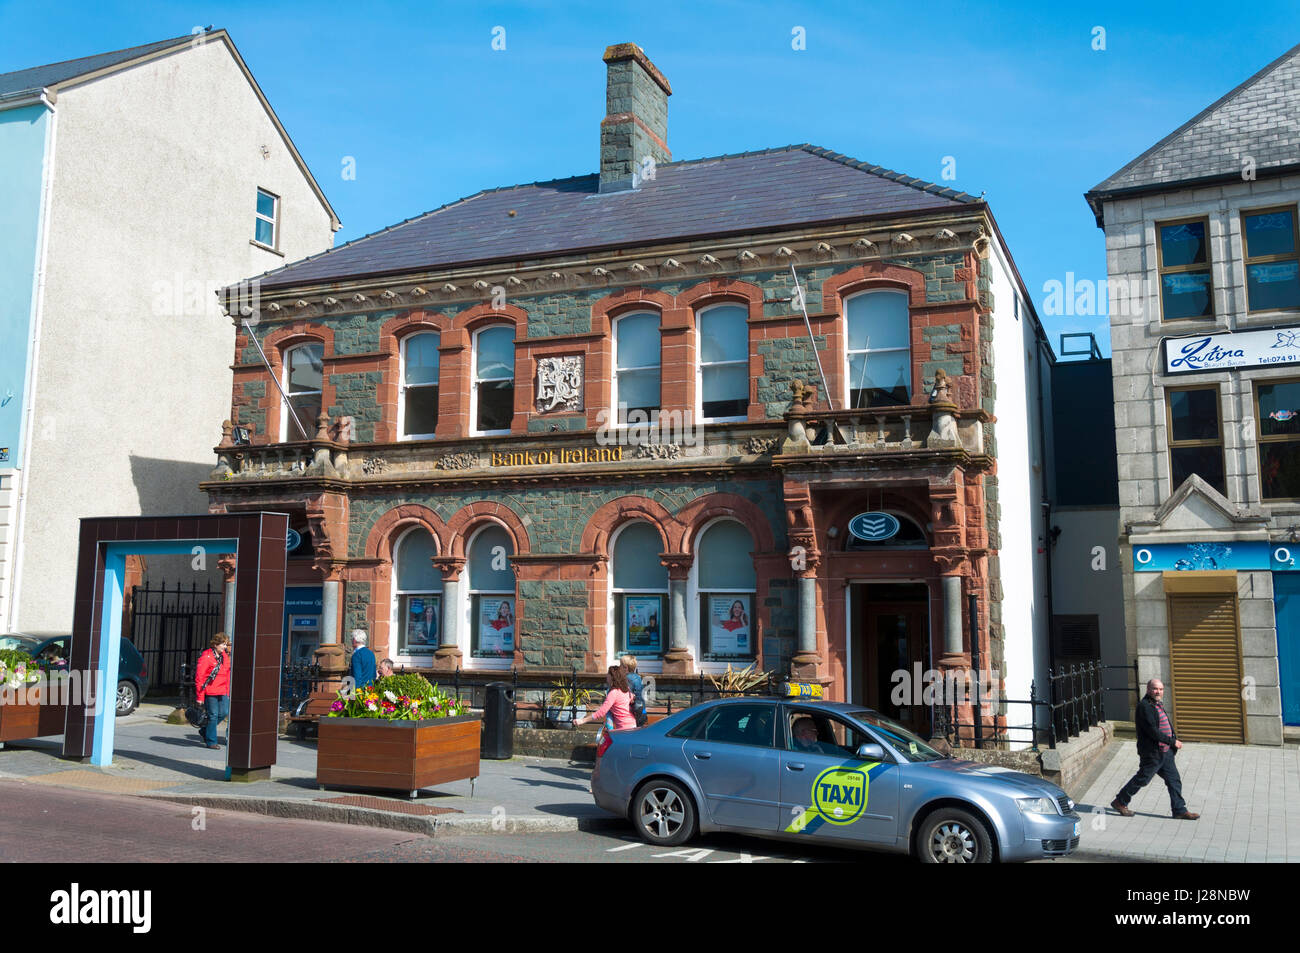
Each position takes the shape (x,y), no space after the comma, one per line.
(494,380)
(491,594)
(879,359)
(724,363)
(636,365)
(908,535)
(303,374)
(640,591)
(727,587)
(418,401)
(418,599)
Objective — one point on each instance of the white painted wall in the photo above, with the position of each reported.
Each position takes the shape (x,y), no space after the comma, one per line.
(1020,457)
(153,206)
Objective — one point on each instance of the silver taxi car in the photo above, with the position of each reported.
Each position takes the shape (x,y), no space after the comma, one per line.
(832,772)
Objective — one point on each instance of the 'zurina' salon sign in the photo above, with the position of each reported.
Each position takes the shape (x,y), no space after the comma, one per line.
(1215,352)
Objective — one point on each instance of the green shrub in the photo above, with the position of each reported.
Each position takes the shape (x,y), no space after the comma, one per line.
(12,657)
(410,684)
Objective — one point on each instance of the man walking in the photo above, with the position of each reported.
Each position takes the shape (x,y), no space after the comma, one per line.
(363,660)
(1157,744)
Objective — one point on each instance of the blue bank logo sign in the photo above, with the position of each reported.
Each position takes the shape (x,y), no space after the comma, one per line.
(874,527)
(292,540)
(840,794)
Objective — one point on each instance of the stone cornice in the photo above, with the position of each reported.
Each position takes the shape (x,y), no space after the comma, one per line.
(955,230)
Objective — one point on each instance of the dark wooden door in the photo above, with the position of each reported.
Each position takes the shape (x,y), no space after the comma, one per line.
(894,640)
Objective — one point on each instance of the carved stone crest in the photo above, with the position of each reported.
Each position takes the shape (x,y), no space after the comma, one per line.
(761,445)
(559,384)
(373,465)
(458,461)
(659,451)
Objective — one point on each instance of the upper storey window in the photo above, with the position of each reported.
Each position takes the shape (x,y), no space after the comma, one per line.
(636,364)
(419,398)
(494,379)
(1272,263)
(1185,286)
(878,362)
(724,363)
(304,374)
(266,224)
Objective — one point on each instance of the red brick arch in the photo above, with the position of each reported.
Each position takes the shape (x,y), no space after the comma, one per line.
(913,505)
(719,291)
(383,535)
(483,314)
(606,309)
(700,512)
(470,517)
(275,345)
(393,330)
(625,509)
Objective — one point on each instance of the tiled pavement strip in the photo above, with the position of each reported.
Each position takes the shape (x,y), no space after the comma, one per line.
(1248,797)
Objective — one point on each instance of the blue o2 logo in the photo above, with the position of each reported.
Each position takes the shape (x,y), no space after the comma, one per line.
(874,527)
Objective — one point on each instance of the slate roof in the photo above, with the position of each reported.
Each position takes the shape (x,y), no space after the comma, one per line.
(39,77)
(752,191)
(1259,118)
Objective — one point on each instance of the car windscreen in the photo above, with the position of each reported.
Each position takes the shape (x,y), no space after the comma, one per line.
(18,642)
(897,737)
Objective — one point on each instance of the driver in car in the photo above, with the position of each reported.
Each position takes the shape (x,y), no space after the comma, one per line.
(804,732)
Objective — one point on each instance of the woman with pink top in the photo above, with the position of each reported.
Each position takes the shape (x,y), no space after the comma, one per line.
(617,704)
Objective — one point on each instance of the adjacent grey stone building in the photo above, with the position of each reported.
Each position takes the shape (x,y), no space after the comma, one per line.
(1204,288)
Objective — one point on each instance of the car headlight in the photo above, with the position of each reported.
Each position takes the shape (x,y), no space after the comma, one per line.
(1036,805)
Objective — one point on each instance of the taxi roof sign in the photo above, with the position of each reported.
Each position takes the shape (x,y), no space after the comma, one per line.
(802,690)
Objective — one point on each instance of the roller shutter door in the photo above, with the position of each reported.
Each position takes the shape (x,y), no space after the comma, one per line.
(1205,663)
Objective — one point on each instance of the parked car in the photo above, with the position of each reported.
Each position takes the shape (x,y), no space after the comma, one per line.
(132,674)
(830,772)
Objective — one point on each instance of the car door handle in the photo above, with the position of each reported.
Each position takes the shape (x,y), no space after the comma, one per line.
(704,755)
(794,766)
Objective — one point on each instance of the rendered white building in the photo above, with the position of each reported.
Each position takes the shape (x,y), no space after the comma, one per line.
(132,184)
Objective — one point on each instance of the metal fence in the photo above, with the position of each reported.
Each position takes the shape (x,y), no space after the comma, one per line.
(1072,705)
(562,701)
(171,626)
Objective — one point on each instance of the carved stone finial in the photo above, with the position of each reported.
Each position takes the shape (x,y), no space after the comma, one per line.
(942,391)
(226,429)
(323,426)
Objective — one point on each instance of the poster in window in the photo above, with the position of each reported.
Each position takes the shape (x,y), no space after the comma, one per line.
(728,619)
(641,624)
(421,624)
(496,625)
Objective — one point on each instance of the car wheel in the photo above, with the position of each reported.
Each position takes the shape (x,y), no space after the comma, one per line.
(127,697)
(950,836)
(664,813)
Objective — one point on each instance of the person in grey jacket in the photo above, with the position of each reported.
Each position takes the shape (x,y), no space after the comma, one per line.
(1157,744)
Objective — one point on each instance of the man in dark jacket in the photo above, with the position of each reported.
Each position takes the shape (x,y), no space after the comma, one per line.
(362,668)
(1157,745)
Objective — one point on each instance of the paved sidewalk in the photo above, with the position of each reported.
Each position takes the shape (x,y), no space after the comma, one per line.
(1248,798)
(154,759)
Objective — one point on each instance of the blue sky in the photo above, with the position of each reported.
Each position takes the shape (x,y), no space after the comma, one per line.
(1014,92)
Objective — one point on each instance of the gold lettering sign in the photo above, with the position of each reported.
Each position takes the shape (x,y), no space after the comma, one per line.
(533,458)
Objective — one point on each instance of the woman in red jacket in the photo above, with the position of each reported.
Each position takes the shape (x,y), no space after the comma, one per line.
(618,702)
(212,686)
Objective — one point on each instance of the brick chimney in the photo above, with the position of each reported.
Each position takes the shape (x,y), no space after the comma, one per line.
(636,117)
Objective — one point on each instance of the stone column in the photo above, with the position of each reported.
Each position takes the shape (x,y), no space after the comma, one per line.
(227,566)
(447,657)
(677,660)
(331,656)
(806,663)
(951,568)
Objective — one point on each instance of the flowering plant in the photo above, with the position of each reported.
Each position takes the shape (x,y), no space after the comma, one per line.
(17,670)
(397,698)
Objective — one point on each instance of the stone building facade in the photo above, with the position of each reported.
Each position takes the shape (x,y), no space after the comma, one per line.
(1205,312)
(718,531)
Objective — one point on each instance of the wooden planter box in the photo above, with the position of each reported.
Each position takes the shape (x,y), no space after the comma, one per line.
(20,718)
(397,755)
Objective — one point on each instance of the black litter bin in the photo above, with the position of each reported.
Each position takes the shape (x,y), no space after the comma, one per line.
(499,722)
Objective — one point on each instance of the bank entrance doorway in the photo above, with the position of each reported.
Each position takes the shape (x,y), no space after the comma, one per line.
(889,640)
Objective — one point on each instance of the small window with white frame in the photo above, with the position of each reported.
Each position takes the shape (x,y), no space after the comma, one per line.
(636,366)
(418,402)
(304,373)
(494,380)
(724,363)
(878,359)
(266,227)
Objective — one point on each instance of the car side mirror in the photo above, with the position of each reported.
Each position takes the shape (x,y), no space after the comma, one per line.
(870,752)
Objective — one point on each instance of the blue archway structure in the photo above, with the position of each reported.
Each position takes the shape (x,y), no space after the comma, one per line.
(258,542)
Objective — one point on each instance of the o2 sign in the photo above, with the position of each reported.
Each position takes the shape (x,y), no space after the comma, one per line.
(874,527)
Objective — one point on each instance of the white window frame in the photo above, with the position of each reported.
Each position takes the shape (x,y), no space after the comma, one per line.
(695,638)
(644,664)
(286,416)
(700,363)
(474,381)
(395,608)
(868,350)
(402,387)
(614,368)
(274,219)
(465,638)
